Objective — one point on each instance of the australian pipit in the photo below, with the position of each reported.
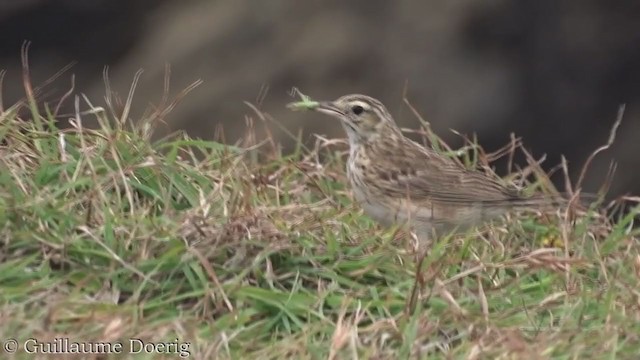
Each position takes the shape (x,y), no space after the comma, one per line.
(398,181)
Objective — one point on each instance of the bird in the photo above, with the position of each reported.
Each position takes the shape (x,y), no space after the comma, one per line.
(397,181)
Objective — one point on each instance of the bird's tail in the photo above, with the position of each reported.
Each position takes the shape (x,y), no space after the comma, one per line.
(562,200)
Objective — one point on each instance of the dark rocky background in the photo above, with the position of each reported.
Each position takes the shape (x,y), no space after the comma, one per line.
(552,71)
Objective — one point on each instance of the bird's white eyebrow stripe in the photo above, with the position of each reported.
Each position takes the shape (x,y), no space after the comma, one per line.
(371,104)
(376,103)
(364,104)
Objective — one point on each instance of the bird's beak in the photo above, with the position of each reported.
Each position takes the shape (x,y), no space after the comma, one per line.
(329,108)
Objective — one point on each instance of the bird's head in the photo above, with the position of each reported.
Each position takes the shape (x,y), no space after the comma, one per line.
(363,118)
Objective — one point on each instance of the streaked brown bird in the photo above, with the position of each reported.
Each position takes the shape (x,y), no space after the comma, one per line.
(398,181)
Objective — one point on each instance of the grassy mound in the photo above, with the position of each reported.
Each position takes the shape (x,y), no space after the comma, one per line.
(243,252)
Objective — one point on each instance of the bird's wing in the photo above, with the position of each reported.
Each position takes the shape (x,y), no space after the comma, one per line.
(421,174)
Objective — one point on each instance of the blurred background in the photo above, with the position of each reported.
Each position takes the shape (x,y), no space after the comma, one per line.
(553,72)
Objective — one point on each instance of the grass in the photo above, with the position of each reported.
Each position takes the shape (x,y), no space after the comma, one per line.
(243,252)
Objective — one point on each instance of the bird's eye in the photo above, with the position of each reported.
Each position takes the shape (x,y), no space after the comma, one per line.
(357,109)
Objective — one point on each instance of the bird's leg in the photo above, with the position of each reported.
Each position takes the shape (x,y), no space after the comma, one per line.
(419,280)
(418,286)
